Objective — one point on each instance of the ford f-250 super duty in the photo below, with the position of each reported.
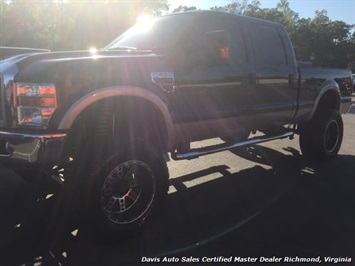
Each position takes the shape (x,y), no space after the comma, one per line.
(109,117)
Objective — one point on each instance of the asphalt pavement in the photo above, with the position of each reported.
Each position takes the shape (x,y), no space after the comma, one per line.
(261,203)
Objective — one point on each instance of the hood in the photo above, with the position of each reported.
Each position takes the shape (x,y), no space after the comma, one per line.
(80,72)
(77,73)
(48,67)
(24,59)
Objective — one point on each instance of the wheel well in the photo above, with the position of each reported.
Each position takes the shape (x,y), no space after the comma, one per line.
(115,121)
(330,100)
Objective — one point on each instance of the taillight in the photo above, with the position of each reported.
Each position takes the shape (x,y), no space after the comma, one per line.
(35,103)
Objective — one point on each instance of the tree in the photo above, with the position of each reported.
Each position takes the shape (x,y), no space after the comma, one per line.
(62,25)
(320,40)
(253,9)
(289,17)
(282,14)
(71,24)
(184,9)
(98,23)
(25,24)
(325,42)
(236,7)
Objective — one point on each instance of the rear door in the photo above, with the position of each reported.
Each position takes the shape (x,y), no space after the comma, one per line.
(275,93)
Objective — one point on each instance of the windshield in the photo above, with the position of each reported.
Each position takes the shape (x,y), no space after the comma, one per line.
(160,33)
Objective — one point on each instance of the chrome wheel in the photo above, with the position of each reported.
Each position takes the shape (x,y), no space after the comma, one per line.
(130,187)
(321,138)
(331,136)
(128,192)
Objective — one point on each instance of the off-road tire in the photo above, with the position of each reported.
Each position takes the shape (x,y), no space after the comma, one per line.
(239,137)
(321,138)
(130,187)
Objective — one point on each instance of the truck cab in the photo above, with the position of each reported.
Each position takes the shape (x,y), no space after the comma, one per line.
(103,123)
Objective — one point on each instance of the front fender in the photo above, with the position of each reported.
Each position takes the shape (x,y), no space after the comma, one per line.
(81,104)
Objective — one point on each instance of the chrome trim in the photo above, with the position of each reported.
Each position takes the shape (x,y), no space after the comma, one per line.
(73,112)
(329,85)
(223,147)
(165,80)
(35,136)
(31,148)
(2,101)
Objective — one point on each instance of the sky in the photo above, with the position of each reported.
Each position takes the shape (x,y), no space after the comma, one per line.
(343,10)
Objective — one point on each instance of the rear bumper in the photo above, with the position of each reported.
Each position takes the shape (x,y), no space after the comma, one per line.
(31,149)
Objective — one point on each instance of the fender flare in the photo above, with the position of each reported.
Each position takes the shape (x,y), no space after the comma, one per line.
(81,104)
(327,86)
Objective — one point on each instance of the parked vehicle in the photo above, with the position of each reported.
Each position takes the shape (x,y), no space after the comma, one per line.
(110,117)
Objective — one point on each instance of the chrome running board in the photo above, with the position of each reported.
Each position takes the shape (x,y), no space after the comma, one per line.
(194,153)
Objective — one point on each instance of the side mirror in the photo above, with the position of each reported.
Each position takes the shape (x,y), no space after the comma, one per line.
(217,46)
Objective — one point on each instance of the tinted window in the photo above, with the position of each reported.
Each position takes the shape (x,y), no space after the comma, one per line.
(196,37)
(268,47)
(162,33)
(237,45)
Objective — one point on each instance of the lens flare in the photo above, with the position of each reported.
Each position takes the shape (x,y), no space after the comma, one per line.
(144,23)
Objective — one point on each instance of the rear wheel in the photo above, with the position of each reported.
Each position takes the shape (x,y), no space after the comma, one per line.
(321,138)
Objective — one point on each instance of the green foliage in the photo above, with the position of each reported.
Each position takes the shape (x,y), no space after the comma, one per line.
(282,14)
(62,25)
(23,23)
(318,39)
(237,8)
(184,9)
(71,24)
(325,42)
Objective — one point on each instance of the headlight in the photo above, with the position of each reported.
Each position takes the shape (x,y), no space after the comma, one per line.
(35,103)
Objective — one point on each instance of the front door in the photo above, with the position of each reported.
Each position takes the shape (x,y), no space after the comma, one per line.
(213,92)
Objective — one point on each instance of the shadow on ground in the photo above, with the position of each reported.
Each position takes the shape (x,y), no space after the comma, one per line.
(289,208)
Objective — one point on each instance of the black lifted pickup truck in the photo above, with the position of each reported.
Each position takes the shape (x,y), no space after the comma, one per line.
(101,123)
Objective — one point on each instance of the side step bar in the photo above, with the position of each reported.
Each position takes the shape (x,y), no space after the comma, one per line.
(194,153)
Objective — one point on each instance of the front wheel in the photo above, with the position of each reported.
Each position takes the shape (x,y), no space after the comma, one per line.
(321,138)
(130,186)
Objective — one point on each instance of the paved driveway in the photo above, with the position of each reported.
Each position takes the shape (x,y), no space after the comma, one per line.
(258,201)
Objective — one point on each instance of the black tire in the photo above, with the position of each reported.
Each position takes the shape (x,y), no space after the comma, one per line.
(239,137)
(321,138)
(130,186)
